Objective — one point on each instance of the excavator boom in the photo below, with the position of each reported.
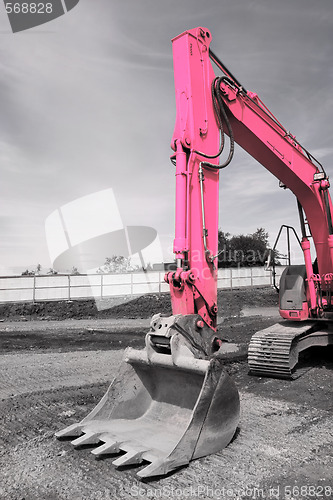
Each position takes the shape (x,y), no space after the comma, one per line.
(305,290)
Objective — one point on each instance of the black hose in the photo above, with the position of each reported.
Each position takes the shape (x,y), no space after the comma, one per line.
(219,119)
(225,70)
(219,112)
(328,212)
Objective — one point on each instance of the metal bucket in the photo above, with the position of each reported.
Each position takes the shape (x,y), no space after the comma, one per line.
(163,409)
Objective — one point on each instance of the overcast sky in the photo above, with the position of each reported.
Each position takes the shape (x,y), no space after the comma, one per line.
(87,103)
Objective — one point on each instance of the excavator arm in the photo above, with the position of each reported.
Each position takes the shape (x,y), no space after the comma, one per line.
(193,286)
(206,107)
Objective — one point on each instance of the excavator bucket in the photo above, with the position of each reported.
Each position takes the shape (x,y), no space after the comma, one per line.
(165,407)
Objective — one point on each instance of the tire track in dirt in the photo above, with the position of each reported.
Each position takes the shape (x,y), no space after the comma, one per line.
(276,440)
(30,372)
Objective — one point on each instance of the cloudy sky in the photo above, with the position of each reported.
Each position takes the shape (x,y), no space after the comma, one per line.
(87,103)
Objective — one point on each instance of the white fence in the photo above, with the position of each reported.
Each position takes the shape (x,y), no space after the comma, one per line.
(99,286)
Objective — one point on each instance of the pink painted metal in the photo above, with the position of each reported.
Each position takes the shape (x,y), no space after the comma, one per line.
(195,130)
(309,272)
(181,241)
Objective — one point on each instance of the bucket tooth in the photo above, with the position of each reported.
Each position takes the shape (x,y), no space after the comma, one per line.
(88,438)
(71,430)
(158,467)
(131,457)
(106,448)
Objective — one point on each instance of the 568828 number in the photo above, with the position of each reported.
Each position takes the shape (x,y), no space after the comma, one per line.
(29,8)
(307,491)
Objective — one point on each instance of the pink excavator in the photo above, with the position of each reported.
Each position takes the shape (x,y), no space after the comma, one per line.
(173,401)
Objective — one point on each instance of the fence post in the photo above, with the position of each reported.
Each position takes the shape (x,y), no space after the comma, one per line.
(101,285)
(132,285)
(69,287)
(231,278)
(34,290)
(251,277)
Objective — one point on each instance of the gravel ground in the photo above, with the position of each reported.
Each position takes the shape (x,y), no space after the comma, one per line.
(55,371)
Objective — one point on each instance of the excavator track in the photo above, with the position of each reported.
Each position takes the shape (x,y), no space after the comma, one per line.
(274,351)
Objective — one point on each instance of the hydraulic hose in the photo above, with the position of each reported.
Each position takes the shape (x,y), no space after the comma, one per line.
(219,112)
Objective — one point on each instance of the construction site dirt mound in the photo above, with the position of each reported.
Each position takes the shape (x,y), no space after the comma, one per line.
(230,303)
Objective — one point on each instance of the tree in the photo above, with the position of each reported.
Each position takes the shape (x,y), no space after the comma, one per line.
(243,250)
(52,271)
(28,273)
(116,264)
(34,272)
(74,271)
(223,248)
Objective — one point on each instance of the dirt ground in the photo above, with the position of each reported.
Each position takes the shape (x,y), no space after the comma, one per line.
(58,359)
